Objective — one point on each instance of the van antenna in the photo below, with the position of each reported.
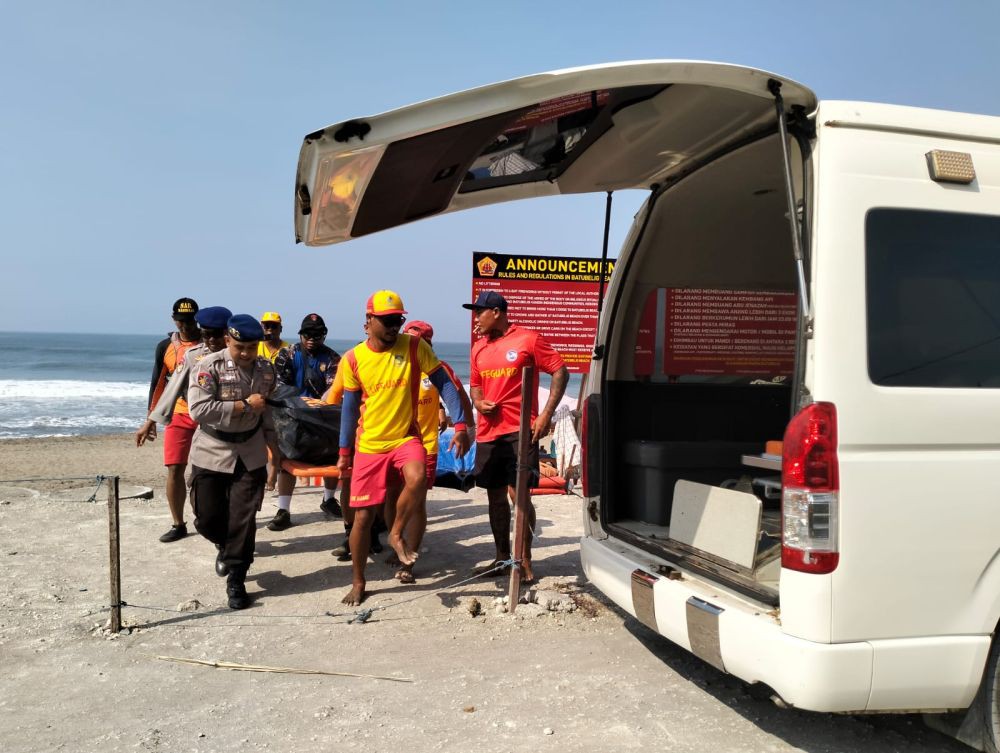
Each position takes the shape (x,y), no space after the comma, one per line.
(774,86)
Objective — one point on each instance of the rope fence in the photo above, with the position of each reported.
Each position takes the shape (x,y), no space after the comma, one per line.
(359,616)
(524,531)
(96,480)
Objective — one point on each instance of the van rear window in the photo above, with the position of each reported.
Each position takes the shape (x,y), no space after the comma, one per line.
(933,292)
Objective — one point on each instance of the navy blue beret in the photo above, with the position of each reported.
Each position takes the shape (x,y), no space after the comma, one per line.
(213,317)
(245,328)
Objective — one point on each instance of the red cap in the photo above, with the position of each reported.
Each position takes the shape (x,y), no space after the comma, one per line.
(420,329)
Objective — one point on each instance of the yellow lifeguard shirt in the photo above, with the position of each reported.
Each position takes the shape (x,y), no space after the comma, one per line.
(263,349)
(429,407)
(389,391)
(335,395)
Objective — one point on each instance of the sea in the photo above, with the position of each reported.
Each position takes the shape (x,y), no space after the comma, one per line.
(63,385)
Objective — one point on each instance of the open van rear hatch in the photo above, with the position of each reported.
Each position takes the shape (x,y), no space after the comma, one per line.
(597,128)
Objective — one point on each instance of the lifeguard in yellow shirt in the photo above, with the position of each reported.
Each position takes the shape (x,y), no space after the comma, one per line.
(431,421)
(269,348)
(272,344)
(379,436)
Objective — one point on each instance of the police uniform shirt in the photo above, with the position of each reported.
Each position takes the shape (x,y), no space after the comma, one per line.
(177,386)
(214,388)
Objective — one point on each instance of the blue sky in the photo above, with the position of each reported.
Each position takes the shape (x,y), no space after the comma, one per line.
(148,150)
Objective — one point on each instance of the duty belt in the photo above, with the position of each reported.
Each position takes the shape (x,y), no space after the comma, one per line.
(234,437)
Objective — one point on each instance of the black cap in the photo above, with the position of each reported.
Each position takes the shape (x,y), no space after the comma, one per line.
(487,299)
(185,309)
(313,323)
(245,328)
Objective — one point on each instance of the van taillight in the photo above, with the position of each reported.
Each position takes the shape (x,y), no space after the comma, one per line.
(810,485)
(590,446)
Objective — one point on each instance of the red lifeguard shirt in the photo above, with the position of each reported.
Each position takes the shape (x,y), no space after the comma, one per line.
(496,369)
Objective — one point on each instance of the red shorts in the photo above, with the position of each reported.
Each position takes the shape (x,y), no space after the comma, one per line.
(177,439)
(432,466)
(374,473)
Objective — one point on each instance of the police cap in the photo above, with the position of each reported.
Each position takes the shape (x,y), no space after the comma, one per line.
(245,328)
(213,317)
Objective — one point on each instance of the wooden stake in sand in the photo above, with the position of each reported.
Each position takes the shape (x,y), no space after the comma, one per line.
(115,553)
(285,670)
(521,490)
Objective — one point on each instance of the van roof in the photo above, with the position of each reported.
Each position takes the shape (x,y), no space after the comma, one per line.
(876,116)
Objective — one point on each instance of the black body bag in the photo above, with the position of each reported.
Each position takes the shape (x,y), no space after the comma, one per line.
(309,435)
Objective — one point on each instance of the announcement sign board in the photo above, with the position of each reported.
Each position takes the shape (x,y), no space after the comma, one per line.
(554,295)
(729,332)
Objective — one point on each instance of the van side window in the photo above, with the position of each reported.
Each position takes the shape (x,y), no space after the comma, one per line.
(933,298)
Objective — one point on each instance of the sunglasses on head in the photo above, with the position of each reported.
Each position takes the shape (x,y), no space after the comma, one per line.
(392,320)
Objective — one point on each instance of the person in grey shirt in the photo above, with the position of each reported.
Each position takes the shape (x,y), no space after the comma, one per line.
(227,394)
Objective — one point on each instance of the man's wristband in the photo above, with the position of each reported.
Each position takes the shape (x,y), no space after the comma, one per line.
(344,452)
(461,427)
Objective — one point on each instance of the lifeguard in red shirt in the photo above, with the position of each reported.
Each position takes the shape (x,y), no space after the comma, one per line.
(496,363)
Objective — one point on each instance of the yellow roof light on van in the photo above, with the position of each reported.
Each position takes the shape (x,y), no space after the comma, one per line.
(950,167)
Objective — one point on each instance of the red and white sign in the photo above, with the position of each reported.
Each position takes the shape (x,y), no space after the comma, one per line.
(729,332)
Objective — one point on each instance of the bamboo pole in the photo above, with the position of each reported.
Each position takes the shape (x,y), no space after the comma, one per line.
(521,490)
(115,555)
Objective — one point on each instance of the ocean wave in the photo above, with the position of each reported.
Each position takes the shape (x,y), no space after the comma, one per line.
(22,435)
(70,389)
(92,421)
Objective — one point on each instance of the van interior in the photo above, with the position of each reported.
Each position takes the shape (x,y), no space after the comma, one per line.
(701,364)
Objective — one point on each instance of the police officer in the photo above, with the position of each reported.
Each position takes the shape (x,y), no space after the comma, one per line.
(213,321)
(226,395)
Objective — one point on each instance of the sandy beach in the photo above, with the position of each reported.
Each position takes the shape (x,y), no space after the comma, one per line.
(546,678)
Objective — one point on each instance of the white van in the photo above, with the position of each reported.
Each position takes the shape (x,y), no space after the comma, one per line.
(792,461)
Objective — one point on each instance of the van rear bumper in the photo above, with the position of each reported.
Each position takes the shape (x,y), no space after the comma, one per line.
(746,640)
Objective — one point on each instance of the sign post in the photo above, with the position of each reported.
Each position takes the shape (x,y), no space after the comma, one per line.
(521,487)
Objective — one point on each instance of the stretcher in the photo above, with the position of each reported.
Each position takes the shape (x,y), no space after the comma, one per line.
(316,474)
(313,473)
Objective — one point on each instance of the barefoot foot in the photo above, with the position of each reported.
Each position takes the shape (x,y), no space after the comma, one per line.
(405,554)
(527,576)
(356,595)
